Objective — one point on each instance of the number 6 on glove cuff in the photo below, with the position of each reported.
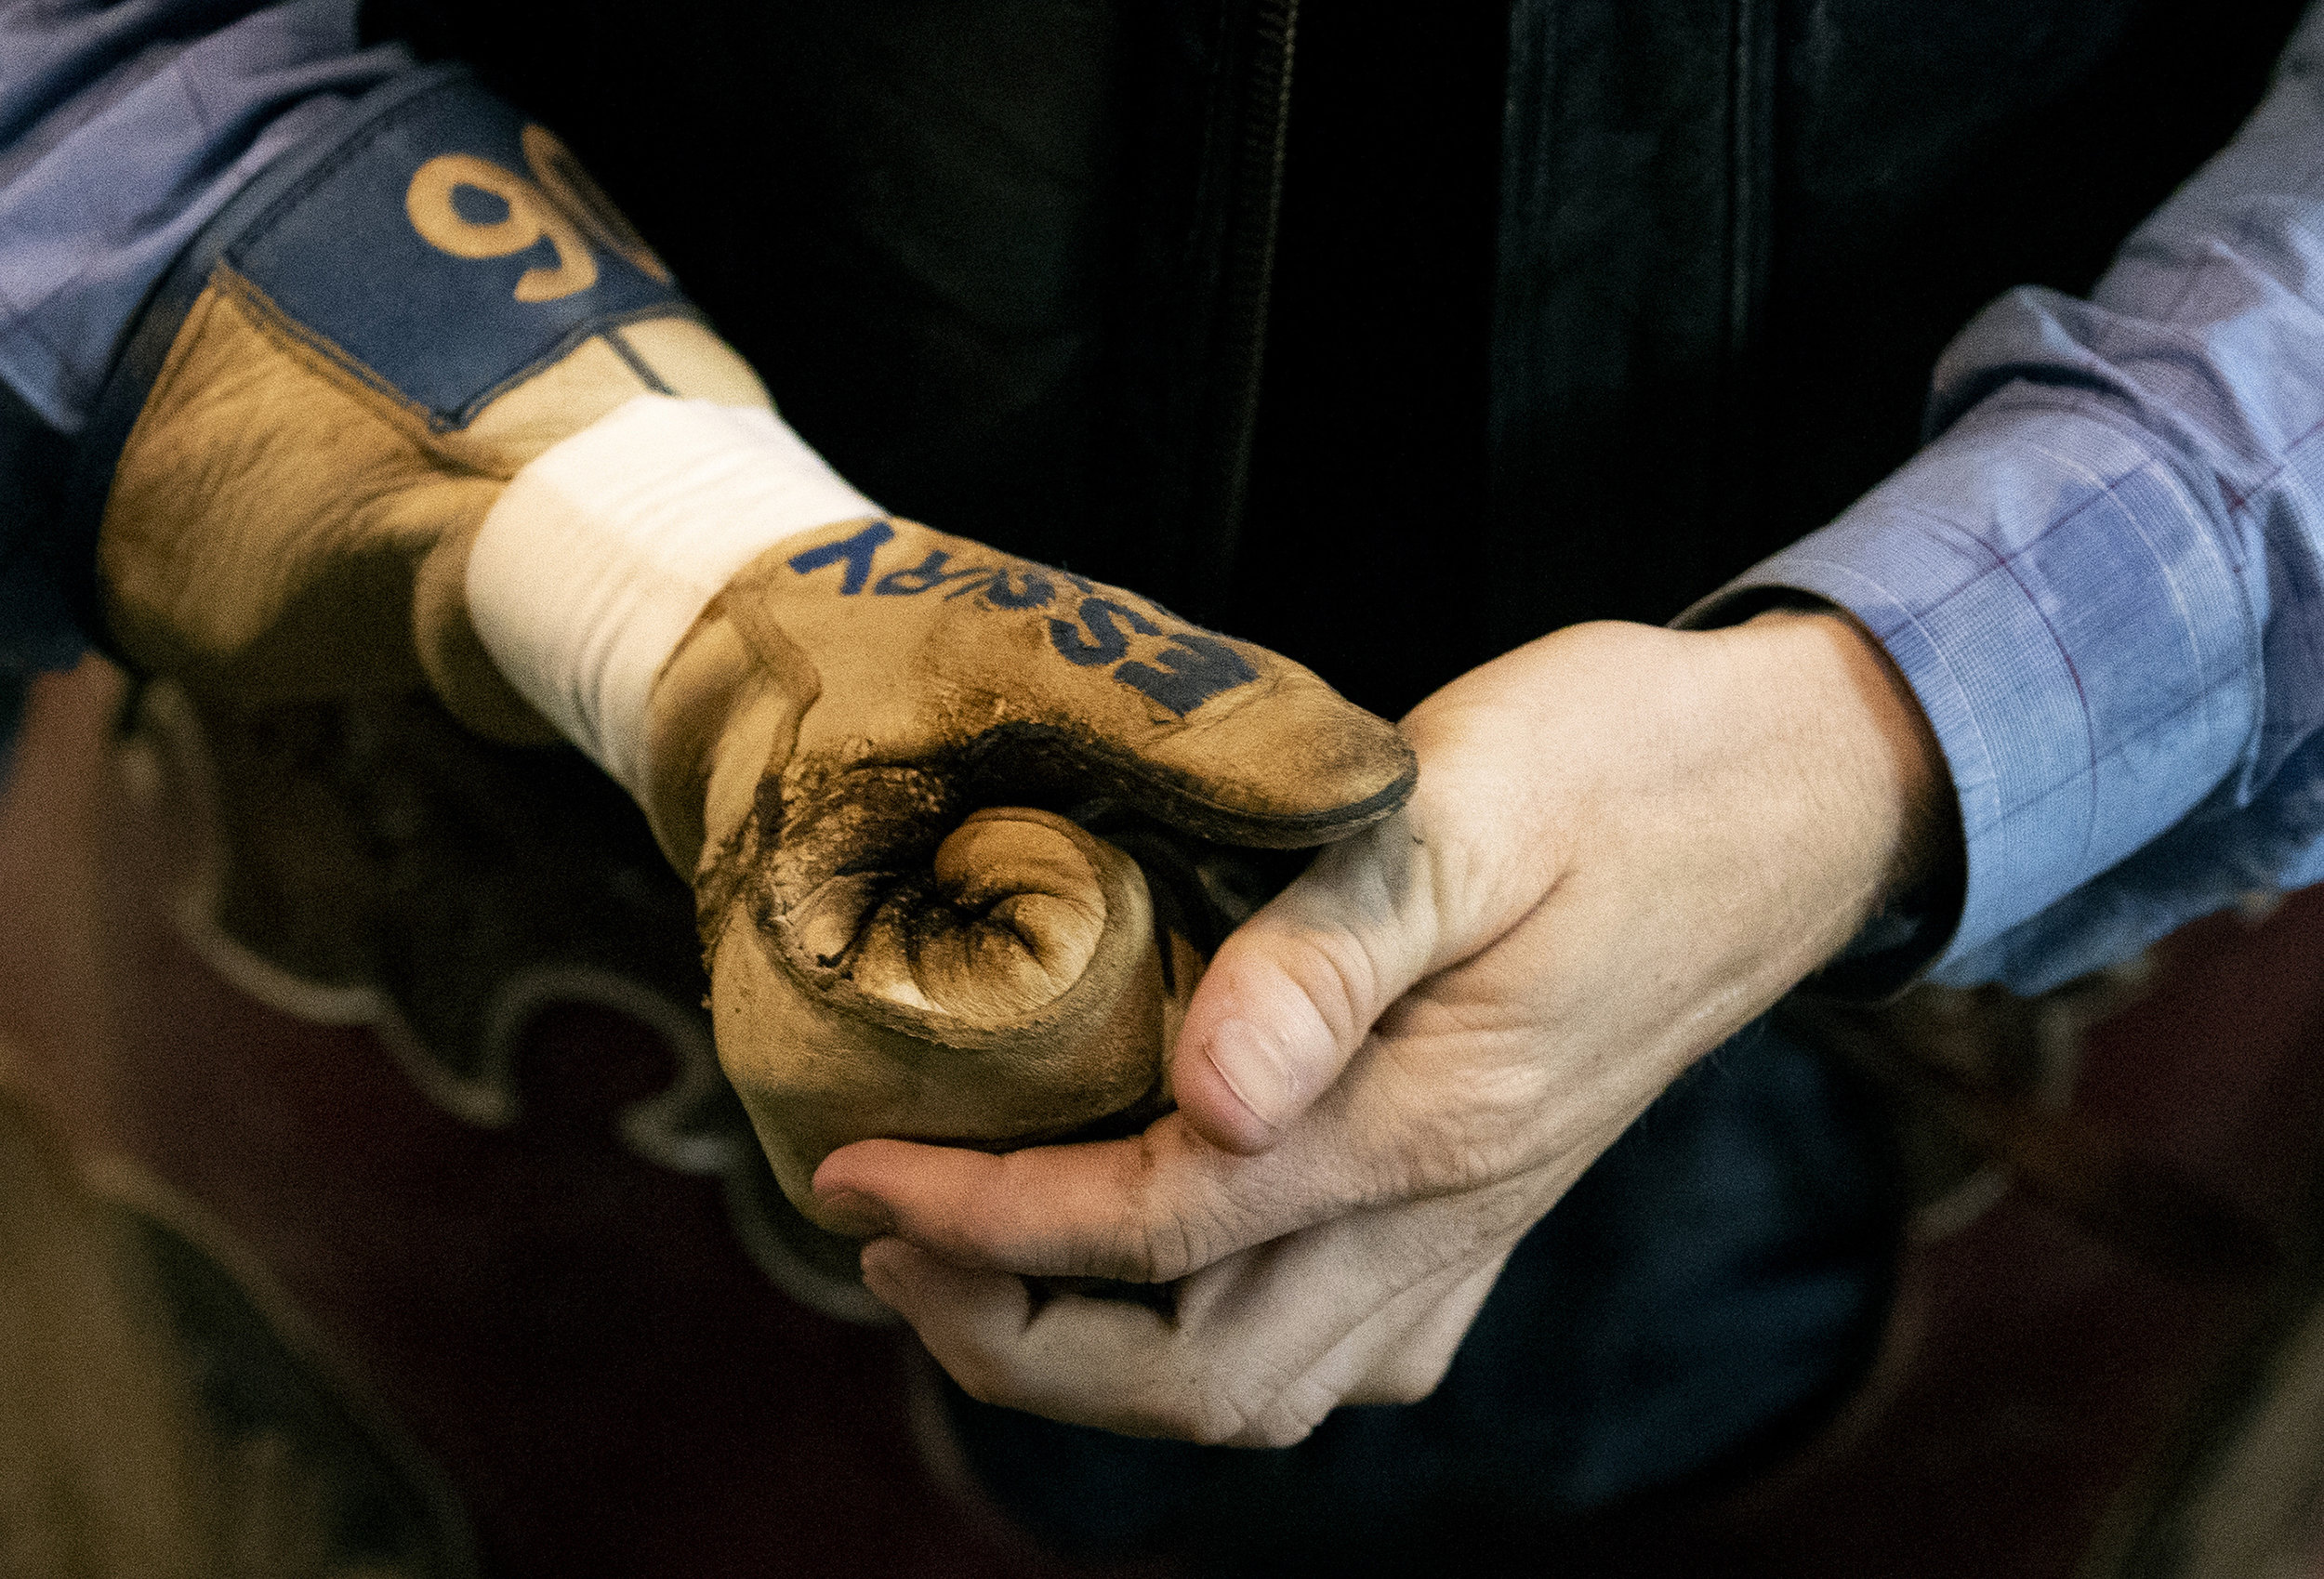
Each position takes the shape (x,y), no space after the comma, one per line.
(420,409)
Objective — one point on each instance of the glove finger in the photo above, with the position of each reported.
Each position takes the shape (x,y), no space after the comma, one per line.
(1012,683)
(1012,989)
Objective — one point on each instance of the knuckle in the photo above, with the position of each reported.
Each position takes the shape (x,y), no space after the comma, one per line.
(1153,1238)
(1287,1433)
(1186,1411)
(1213,1424)
(1166,1252)
(1468,1134)
(1124,1250)
(980,1378)
(1261,1409)
(1449,1153)
(1194,1403)
(1335,972)
(1291,1416)
(1410,1379)
(1233,1423)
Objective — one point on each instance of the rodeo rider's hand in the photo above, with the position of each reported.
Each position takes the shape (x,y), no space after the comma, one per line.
(1626,844)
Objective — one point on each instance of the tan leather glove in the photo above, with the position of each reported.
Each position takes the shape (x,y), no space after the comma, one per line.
(887,736)
(422,409)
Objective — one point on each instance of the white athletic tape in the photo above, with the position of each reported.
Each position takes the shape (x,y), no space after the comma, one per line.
(595,562)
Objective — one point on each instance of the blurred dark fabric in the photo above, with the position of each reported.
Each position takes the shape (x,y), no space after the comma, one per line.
(1698,1304)
(1579,307)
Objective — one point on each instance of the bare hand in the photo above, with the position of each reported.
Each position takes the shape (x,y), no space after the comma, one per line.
(1626,844)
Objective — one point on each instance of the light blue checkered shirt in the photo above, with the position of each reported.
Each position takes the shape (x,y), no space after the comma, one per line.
(2105,578)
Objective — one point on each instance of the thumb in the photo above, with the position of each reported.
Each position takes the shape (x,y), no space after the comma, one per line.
(1294,991)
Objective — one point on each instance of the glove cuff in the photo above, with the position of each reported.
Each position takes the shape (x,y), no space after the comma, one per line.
(439,248)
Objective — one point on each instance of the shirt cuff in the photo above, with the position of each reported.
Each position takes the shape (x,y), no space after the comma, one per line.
(2072,621)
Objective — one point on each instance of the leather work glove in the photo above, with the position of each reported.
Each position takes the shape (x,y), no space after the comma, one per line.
(420,409)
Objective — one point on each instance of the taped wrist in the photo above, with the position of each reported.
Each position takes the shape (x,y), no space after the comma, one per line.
(595,562)
(332,388)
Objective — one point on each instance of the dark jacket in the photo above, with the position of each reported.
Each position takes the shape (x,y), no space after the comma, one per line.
(1569,309)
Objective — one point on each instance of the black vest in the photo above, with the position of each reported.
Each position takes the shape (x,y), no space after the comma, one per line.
(1568,308)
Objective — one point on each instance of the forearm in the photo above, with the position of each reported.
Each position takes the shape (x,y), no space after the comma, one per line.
(2101,581)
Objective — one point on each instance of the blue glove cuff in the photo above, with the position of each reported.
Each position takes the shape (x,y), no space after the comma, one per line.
(440,248)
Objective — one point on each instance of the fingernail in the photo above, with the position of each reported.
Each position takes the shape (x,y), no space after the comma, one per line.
(1254,1069)
(853,1213)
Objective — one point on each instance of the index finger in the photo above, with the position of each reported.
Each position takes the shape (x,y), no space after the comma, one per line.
(1150,1208)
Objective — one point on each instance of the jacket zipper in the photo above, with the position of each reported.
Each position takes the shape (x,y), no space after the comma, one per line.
(1254,206)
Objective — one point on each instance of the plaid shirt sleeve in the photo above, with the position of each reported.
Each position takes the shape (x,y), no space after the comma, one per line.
(2105,578)
(123,127)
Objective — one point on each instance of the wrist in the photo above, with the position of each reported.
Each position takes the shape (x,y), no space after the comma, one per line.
(1875,788)
(603,553)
